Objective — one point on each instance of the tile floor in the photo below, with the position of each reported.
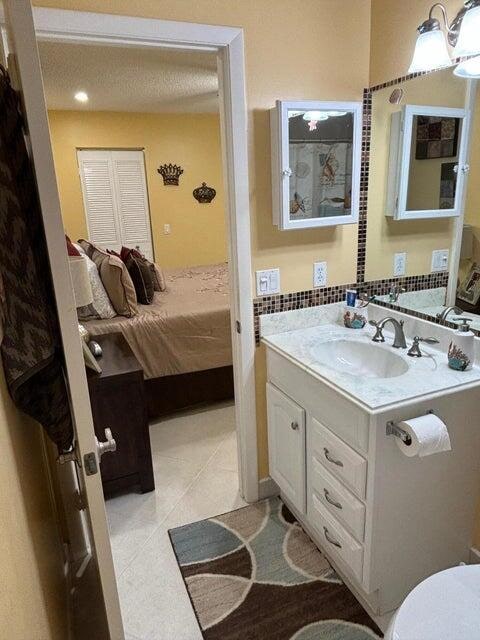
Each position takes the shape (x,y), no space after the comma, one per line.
(195,465)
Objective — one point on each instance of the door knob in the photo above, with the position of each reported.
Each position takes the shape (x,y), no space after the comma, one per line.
(108,445)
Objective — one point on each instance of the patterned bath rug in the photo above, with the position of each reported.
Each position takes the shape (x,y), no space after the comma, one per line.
(253,574)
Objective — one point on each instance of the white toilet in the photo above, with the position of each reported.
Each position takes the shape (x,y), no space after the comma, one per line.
(445,606)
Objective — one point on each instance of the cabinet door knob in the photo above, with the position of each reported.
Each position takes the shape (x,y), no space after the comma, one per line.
(339,463)
(287,172)
(108,445)
(294,426)
(330,539)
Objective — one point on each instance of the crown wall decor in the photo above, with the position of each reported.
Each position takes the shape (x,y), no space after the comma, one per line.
(204,194)
(171,173)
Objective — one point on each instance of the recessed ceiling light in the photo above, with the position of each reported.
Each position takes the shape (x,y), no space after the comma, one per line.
(81,96)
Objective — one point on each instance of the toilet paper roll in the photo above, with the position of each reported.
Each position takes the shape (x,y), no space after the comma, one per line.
(429,435)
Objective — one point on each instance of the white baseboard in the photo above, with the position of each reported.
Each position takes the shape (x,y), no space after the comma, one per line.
(474,556)
(267,488)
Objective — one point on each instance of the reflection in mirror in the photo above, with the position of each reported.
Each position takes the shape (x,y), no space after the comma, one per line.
(416,238)
(431,179)
(320,155)
(432,175)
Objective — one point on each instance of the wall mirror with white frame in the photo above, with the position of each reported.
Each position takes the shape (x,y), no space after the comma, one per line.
(437,229)
(316,157)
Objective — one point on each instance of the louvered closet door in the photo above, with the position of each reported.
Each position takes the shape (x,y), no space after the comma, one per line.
(98,187)
(132,200)
(116,201)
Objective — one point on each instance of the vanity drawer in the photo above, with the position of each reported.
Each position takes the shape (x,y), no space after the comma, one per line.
(337,413)
(337,457)
(335,539)
(337,499)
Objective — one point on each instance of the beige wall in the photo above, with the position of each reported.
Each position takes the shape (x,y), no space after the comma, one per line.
(386,236)
(198,234)
(33,594)
(472,209)
(314,49)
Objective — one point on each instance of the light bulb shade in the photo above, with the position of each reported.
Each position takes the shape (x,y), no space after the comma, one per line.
(430,53)
(469,68)
(82,288)
(468,43)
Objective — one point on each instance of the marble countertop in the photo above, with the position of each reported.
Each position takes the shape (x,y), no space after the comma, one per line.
(425,377)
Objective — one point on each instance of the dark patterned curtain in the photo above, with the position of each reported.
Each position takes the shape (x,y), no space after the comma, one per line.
(31,347)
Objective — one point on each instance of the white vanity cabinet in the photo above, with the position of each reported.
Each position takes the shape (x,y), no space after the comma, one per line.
(386,521)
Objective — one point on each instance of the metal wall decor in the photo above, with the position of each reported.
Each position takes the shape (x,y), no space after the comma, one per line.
(204,194)
(171,173)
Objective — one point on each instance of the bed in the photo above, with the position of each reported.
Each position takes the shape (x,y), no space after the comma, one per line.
(182,340)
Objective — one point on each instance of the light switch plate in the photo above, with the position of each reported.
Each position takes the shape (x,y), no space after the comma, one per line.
(268,282)
(167,230)
(399,264)
(440,260)
(319,274)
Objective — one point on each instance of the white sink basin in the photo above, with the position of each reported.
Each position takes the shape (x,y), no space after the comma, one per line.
(360,359)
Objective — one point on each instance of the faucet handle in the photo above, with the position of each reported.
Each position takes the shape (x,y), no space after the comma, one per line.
(414,350)
(429,340)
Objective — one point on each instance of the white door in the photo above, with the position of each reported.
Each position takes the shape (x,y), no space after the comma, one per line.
(100,607)
(286,445)
(115,198)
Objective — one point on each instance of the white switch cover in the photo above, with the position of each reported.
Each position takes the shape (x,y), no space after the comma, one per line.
(268,282)
(399,264)
(319,274)
(440,260)
(167,230)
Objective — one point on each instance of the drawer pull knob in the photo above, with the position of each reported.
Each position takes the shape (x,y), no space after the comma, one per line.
(331,500)
(339,463)
(294,426)
(330,539)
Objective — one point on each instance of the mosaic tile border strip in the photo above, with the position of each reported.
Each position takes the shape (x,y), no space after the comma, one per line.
(328,295)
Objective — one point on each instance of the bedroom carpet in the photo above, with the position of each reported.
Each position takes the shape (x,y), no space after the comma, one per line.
(254,574)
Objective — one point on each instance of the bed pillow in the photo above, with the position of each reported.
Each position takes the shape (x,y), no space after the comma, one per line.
(141,274)
(71,248)
(159,282)
(101,307)
(117,282)
(87,246)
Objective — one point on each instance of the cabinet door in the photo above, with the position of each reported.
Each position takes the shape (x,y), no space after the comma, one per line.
(286,446)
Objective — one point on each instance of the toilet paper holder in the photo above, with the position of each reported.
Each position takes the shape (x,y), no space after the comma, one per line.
(392,429)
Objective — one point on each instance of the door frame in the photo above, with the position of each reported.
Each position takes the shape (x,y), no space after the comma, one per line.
(228,43)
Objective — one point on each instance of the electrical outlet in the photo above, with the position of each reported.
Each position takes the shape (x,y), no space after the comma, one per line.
(268,282)
(319,274)
(167,230)
(399,264)
(440,260)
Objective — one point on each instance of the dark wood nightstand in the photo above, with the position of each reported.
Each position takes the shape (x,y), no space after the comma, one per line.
(117,396)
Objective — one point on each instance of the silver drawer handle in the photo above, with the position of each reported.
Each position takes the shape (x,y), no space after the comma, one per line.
(294,426)
(339,463)
(331,540)
(331,500)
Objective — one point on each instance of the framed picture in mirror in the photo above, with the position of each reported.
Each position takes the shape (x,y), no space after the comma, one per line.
(469,290)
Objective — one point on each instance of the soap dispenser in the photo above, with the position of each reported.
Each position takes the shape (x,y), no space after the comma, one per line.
(461,352)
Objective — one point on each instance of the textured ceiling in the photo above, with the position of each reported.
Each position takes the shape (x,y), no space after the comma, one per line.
(129,79)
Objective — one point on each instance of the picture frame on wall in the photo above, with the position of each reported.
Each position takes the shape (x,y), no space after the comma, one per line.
(469,290)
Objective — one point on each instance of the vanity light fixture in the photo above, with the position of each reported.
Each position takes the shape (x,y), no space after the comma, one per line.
(431,50)
(81,96)
(468,68)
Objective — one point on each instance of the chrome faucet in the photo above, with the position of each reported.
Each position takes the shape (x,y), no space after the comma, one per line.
(399,341)
(443,315)
(394,293)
